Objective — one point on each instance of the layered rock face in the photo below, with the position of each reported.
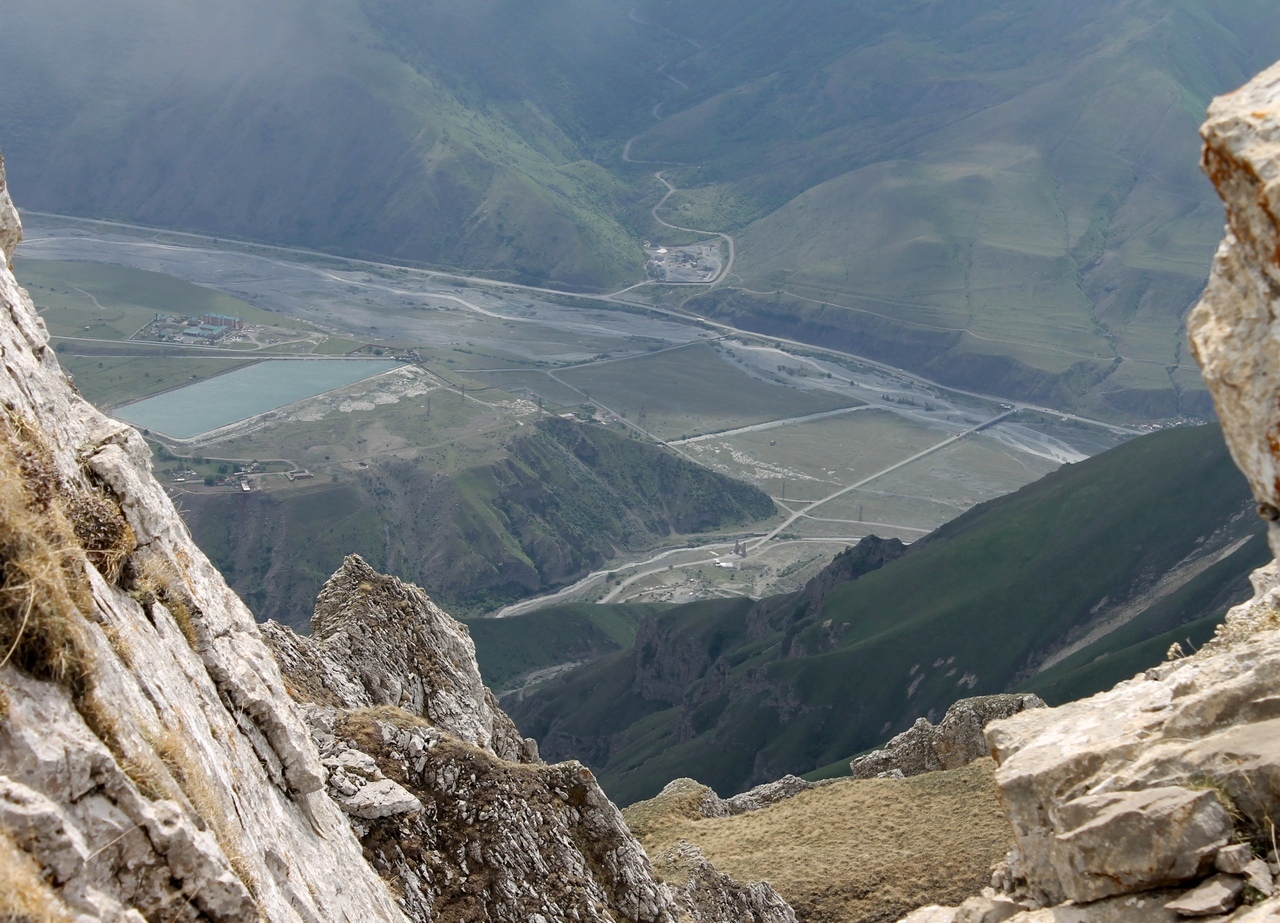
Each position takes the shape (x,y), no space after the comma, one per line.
(154,766)
(452,807)
(1159,799)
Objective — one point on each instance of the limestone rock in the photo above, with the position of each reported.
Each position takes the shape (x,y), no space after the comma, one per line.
(1233,859)
(705,894)
(703,801)
(1119,842)
(450,804)
(984,909)
(168,774)
(476,837)
(1235,330)
(953,743)
(1220,894)
(378,641)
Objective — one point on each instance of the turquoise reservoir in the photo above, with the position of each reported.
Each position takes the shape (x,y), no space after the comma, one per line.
(216,402)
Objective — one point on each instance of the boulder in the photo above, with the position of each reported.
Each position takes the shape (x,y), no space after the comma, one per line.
(1120,842)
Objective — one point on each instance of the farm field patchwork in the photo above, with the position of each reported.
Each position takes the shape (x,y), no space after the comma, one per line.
(489,363)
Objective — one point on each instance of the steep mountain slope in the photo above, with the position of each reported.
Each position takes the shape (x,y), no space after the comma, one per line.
(451,133)
(1091,562)
(1000,195)
(559,502)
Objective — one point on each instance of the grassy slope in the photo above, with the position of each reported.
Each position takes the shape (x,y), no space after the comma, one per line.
(512,647)
(373,129)
(558,503)
(857,850)
(1017,171)
(733,693)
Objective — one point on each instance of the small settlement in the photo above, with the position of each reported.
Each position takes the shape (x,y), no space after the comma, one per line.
(205,329)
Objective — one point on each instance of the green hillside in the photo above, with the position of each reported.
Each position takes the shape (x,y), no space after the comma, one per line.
(735,692)
(550,507)
(1003,196)
(443,133)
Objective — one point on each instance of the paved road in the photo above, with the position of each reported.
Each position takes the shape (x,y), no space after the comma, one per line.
(771,424)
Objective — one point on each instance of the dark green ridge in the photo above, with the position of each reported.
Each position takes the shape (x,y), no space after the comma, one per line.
(559,502)
(734,692)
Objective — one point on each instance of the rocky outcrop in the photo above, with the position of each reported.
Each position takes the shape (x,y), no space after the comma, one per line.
(452,807)
(706,894)
(1158,800)
(154,766)
(956,741)
(695,799)
(377,641)
(871,553)
(1235,329)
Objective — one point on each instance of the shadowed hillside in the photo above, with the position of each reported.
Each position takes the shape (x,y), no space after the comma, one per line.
(1065,587)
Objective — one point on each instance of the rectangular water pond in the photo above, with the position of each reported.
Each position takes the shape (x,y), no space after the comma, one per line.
(244,393)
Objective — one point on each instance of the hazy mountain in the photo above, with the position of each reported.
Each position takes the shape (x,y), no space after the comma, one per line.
(1000,195)
(449,132)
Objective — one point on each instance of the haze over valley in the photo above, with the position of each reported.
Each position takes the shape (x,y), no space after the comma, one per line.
(650,304)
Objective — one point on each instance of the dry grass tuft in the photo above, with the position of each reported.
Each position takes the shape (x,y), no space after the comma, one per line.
(44,591)
(154,579)
(25,897)
(123,649)
(102,531)
(856,851)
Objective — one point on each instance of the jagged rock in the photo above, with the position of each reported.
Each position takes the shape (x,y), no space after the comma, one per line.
(956,741)
(1207,717)
(1219,894)
(378,641)
(701,800)
(450,804)
(1233,859)
(1235,327)
(705,894)
(381,798)
(489,839)
(1258,875)
(769,793)
(169,754)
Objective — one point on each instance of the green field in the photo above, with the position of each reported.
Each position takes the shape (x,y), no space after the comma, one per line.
(693,390)
(113,302)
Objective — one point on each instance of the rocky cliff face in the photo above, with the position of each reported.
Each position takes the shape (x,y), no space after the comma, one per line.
(955,741)
(157,765)
(1159,799)
(153,765)
(453,808)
